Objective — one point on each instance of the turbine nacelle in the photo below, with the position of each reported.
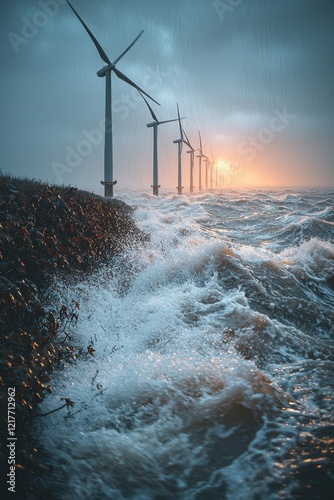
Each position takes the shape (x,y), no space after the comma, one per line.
(103,71)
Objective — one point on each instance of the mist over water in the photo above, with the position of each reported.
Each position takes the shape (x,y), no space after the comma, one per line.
(212,375)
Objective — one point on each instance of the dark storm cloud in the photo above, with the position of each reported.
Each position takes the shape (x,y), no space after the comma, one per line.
(229,75)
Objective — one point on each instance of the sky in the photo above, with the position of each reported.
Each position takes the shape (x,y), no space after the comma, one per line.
(256,77)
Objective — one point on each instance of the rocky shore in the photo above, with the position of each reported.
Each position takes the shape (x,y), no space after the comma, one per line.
(45,231)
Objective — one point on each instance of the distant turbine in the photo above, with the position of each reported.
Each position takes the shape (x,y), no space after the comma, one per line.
(206,160)
(192,154)
(155,125)
(213,166)
(200,156)
(211,173)
(106,71)
(179,143)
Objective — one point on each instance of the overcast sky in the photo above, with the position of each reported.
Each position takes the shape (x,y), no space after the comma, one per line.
(256,77)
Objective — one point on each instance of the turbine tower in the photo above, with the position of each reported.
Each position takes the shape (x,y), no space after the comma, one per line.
(155,124)
(106,72)
(206,160)
(179,143)
(211,173)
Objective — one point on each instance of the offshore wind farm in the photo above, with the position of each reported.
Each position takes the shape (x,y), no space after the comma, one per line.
(108,181)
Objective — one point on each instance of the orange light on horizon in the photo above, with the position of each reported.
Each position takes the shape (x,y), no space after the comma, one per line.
(223,165)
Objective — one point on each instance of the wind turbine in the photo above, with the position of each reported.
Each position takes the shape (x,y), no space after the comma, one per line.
(192,153)
(214,165)
(206,160)
(200,156)
(179,143)
(106,72)
(155,124)
(211,173)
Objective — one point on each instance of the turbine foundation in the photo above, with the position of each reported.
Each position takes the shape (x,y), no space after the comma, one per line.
(108,188)
(155,190)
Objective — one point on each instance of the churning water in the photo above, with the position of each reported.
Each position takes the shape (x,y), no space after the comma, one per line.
(212,376)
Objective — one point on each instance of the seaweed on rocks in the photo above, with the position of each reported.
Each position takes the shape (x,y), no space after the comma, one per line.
(45,230)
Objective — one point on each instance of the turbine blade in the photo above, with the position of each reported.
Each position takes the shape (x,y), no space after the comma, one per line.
(187,141)
(168,121)
(129,47)
(200,141)
(130,82)
(178,114)
(100,50)
(149,107)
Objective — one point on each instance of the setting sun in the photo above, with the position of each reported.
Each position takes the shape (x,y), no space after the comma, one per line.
(223,165)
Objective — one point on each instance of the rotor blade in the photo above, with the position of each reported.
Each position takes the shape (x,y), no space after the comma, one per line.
(168,121)
(178,114)
(103,55)
(149,107)
(200,141)
(187,141)
(129,47)
(188,144)
(130,82)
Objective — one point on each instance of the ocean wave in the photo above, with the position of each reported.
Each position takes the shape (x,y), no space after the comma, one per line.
(213,355)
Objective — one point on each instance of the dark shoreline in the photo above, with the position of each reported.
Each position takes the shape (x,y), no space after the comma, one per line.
(45,231)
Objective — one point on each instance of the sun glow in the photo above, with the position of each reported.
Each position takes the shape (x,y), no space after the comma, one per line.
(223,165)
(228,174)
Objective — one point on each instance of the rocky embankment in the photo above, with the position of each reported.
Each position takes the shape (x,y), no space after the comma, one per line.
(45,231)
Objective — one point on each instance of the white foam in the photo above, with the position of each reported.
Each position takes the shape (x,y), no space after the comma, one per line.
(167,404)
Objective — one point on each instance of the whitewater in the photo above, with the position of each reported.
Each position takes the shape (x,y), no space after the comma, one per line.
(213,362)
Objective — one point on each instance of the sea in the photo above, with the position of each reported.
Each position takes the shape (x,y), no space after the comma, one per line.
(207,366)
